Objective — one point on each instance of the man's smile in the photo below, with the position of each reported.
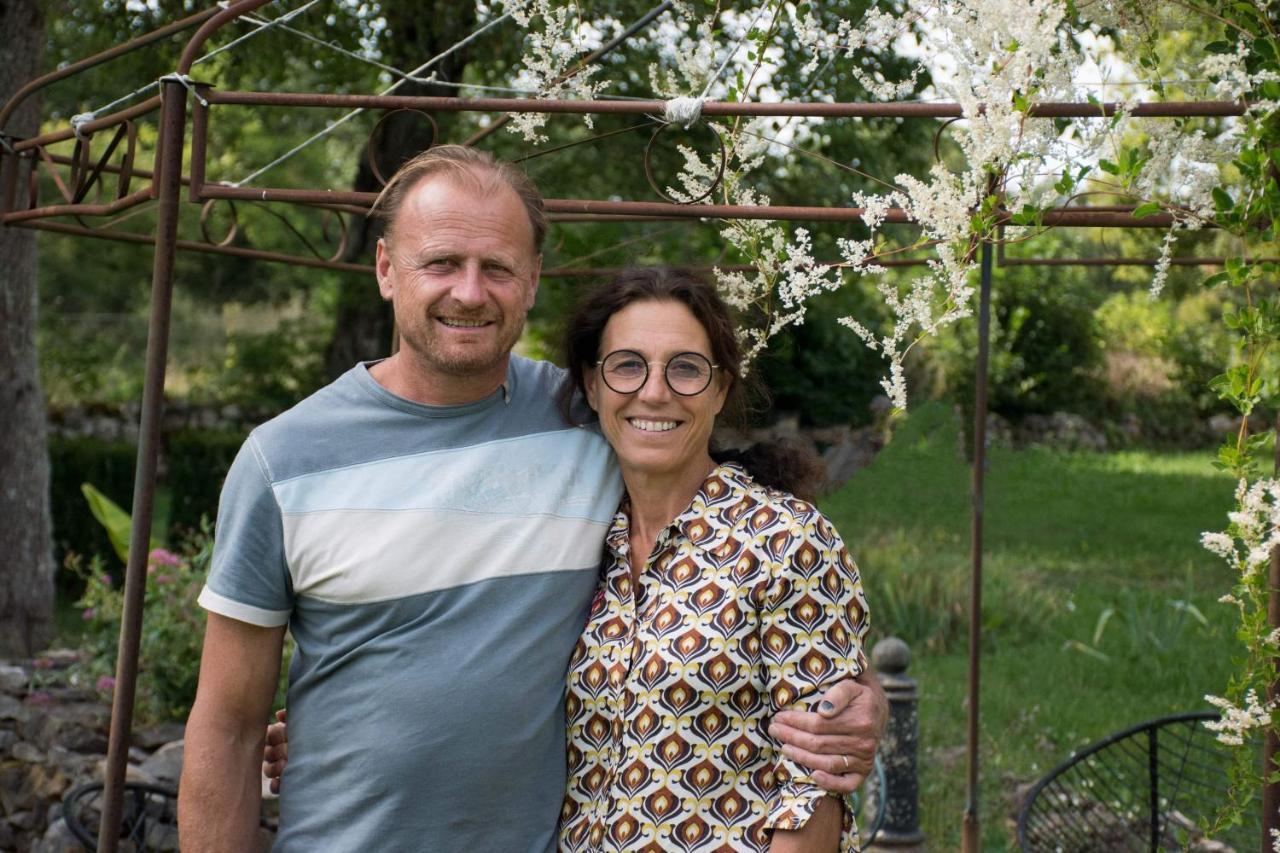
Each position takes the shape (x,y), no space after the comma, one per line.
(458,323)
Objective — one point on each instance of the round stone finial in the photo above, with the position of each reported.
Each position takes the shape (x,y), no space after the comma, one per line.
(891,656)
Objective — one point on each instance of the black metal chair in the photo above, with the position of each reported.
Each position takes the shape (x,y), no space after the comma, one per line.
(148,822)
(1143,789)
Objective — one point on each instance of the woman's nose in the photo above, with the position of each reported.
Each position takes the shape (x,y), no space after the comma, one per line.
(655,384)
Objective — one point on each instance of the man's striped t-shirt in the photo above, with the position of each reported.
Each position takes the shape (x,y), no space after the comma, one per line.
(434,566)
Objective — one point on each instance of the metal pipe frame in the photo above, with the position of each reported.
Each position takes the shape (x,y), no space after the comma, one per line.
(67,229)
(99,58)
(168,185)
(852,109)
(971,837)
(166,188)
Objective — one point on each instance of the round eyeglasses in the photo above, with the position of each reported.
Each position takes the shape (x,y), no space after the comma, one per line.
(687,373)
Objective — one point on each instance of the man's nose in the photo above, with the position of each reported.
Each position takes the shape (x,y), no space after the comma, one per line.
(468,288)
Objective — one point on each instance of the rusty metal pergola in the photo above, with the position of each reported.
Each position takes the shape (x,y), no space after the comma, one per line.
(23,161)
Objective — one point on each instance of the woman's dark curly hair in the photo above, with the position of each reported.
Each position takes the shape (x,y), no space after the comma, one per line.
(782,465)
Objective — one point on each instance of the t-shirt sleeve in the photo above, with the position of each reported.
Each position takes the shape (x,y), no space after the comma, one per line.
(812,630)
(249,577)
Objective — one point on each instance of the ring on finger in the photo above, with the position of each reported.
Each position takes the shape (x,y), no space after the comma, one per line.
(845,759)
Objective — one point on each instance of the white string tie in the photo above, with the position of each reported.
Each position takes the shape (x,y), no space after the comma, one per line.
(7,145)
(685,111)
(78,121)
(187,82)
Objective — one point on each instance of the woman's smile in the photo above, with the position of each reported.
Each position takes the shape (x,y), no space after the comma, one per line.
(656,432)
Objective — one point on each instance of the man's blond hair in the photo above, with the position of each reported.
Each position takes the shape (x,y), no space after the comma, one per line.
(462,163)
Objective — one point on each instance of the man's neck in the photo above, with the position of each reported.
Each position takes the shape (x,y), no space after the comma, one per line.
(403,376)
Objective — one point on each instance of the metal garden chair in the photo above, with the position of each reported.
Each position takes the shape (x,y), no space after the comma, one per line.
(1146,788)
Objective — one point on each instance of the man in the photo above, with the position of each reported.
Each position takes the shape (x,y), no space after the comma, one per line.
(430,531)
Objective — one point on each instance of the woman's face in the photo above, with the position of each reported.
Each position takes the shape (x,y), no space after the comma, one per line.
(654,430)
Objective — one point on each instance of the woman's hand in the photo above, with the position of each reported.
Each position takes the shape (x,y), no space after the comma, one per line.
(820,833)
(275,755)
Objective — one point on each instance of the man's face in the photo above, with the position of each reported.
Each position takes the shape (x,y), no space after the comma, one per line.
(460,270)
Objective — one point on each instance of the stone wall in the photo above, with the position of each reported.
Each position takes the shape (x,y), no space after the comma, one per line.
(120,423)
(53,738)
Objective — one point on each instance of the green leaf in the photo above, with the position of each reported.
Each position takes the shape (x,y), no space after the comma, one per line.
(1150,208)
(1077,646)
(1109,167)
(115,520)
(1189,608)
(1221,201)
(1100,628)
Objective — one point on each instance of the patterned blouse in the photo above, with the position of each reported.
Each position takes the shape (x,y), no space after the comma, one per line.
(749,605)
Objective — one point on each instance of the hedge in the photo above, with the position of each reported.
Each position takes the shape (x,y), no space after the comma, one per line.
(194,465)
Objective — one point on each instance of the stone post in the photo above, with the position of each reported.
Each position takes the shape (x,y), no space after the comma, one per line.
(901,829)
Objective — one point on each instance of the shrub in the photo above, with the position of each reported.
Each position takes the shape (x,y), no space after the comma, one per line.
(821,370)
(1046,345)
(1161,356)
(72,462)
(173,628)
(272,370)
(198,463)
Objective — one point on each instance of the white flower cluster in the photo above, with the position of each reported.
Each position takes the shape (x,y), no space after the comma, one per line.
(557,37)
(1231,79)
(775,294)
(878,31)
(1237,721)
(1255,529)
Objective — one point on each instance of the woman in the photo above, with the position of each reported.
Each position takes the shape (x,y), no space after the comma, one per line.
(723,597)
(722,600)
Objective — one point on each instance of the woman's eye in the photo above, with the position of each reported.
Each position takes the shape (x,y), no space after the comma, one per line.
(629,367)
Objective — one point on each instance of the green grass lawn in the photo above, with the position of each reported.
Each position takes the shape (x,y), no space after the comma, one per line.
(1069,537)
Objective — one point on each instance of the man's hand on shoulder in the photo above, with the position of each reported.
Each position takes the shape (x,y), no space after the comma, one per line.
(838,741)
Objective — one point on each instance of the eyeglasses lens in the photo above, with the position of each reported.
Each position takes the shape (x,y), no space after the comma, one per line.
(686,374)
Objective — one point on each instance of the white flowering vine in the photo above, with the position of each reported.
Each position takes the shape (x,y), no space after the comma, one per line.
(1004,168)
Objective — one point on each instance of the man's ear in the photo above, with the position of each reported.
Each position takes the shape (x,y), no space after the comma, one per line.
(382,267)
(533,287)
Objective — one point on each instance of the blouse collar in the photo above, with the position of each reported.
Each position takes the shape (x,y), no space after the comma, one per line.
(724,499)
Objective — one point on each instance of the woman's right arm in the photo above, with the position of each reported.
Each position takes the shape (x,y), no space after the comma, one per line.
(820,833)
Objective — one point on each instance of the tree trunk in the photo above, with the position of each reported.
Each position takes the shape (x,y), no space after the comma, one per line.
(416,31)
(26,551)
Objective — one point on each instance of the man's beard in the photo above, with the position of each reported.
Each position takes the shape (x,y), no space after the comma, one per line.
(462,360)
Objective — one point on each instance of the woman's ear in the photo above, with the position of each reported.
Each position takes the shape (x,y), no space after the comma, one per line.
(589,380)
(723,385)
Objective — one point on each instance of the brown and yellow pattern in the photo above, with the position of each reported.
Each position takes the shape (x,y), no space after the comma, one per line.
(749,605)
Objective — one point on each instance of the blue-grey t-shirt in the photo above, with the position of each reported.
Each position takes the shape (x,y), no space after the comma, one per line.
(434,565)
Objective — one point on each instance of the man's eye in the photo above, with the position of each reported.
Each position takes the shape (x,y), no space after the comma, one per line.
(439,264)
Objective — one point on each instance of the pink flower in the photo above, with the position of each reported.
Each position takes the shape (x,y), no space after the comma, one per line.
(43,663)
(162,557)
(106,579)
(106,684)
(88,614)
(161,578)
(38,697)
